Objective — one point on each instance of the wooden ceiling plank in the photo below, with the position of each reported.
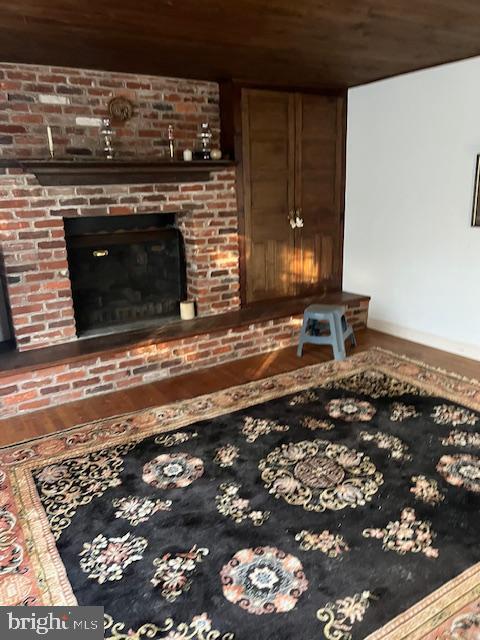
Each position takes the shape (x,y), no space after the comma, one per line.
(323,44)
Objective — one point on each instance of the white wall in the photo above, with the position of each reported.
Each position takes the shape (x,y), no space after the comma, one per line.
(412,144)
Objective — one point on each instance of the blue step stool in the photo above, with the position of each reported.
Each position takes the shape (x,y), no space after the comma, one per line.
(326,324)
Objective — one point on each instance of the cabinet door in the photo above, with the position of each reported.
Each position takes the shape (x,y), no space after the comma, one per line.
(319,160)
(268,124)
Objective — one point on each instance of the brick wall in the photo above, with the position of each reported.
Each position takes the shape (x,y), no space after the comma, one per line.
(32,97)
(20,393)
(32,242)
(34,257)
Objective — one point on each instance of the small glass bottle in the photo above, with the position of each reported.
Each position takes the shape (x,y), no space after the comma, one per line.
(107,134)
(205,136)
(171,142)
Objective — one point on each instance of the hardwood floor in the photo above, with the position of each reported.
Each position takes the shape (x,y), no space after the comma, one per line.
(233,373)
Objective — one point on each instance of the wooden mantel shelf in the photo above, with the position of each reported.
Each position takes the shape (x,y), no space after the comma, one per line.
(97,172)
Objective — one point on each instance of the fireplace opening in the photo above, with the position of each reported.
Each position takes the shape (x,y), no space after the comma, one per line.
(6,340)
(126,272)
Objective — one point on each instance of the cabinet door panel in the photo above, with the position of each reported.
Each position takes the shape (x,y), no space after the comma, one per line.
(317,260)
(268,126)
(267,195)
(268,155)
(318,187)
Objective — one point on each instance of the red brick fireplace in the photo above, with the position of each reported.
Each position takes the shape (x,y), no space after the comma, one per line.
(33,247)
(35,257)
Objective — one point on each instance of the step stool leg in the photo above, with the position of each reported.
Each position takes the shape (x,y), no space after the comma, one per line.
(332,321)
(303,335)
(341,354)
(353,339)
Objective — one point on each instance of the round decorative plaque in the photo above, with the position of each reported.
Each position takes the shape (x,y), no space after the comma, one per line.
(120,109)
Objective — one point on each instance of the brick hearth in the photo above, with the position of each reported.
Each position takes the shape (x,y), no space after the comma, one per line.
(52,385)
(32,242)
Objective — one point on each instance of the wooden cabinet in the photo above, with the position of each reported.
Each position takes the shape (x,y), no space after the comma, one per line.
(319,191)
(292,160)
(268,124)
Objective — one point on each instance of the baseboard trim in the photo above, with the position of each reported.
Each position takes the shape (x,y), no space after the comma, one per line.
(430,340)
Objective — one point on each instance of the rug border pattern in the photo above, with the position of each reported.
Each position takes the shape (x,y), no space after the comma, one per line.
(42,558)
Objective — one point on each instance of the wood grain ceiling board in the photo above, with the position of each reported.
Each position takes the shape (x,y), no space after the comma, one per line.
(328,44)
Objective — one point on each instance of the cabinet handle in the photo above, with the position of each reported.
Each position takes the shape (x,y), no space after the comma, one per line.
(100,253)
(295,218)
(292,219)
(298,219)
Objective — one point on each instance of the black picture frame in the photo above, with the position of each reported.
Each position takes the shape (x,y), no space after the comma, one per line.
(476,196)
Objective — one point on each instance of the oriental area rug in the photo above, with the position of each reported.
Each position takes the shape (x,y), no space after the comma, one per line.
(338,501)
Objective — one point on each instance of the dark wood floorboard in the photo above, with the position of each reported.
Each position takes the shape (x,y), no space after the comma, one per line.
(209,380)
